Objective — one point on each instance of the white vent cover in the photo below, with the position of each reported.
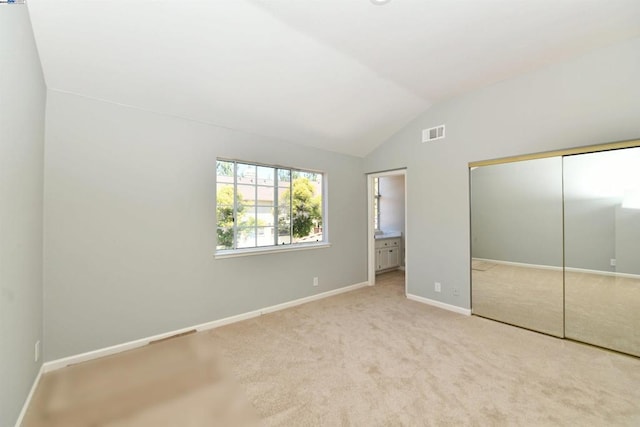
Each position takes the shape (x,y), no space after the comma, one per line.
(433,133)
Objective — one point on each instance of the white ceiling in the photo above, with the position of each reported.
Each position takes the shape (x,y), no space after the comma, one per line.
(342,75)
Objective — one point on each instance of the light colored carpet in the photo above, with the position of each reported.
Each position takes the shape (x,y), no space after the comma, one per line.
(603,310)
(366,358)
(481,265)
(594,308)
(524,296)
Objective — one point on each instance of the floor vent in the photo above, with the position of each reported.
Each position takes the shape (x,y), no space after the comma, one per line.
(182,334)
(433,133)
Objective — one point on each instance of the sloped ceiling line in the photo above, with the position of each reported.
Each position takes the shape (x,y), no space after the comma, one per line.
(333,74)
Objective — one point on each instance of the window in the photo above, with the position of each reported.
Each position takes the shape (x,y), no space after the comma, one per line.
(376,204)
(259,206)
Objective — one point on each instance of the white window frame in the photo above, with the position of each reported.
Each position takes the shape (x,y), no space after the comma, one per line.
(376,199)
(293,246)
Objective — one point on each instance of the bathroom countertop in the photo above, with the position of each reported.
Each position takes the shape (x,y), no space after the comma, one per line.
(391,235)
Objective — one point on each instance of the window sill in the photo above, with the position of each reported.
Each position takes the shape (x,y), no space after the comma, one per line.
(269,250)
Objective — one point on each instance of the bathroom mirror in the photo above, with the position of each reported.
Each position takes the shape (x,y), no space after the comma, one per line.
(516,243)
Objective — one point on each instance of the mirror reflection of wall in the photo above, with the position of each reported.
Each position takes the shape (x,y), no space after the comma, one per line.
(514,203)
(516,243)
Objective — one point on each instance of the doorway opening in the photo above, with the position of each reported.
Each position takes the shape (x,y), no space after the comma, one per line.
(387,223)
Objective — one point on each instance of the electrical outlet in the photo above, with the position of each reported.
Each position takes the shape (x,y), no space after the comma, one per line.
(315,281)
(36,351)
(613,262)
(438,287)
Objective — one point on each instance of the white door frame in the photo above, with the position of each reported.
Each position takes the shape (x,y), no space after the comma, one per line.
(371,243)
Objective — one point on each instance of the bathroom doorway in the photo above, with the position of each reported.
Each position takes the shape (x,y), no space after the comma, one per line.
(387,223)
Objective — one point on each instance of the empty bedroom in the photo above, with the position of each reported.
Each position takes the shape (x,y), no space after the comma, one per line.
(319,213)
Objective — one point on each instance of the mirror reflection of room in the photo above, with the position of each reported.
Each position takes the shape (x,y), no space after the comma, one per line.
(389,222)
(516,243)
(602,248)
(555,245)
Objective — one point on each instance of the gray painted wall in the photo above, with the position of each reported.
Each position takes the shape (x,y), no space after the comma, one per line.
(597,229)
(516,212)
(627,241)
(590,99)
(590,233)
(130,226)
(22,103)
(517,216)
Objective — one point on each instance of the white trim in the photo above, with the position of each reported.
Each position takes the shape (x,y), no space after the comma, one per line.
(371,240)
(270,250)
(371,233)
(315,297)
(27,401)
(449,307)
(107,351)
(519,264)
(118,348)
(603,273)
(570,269)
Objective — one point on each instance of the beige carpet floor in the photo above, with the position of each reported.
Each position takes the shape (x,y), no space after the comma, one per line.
(365,358)
(599,309)
(529,297)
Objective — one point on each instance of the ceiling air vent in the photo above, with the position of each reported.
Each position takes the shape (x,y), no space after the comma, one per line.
(433,133)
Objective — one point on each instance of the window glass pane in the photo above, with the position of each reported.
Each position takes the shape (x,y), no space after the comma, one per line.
(376,214)
(284,240)
(224,214)
(284,225)
(224,193)
(246,194)
(246,173)
(284,214)
(224,169)
(265,175)
(224,206)
(246,237)
(284,228)
(265,236)
(284,177)
(247,218)
(265,216)
(307,207)
(225,238)
(266,196)
(284,197)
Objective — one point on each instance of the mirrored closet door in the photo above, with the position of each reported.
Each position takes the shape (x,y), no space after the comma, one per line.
(516,243)
(602,249)
(555,243)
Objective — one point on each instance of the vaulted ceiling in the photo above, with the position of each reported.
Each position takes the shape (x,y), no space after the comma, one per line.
(342,75)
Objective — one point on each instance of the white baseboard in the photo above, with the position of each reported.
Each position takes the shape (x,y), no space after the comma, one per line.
(570,269)
(603,273)
(454,308)
(118,348)
(27,401)
(520,264)
(313,298)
